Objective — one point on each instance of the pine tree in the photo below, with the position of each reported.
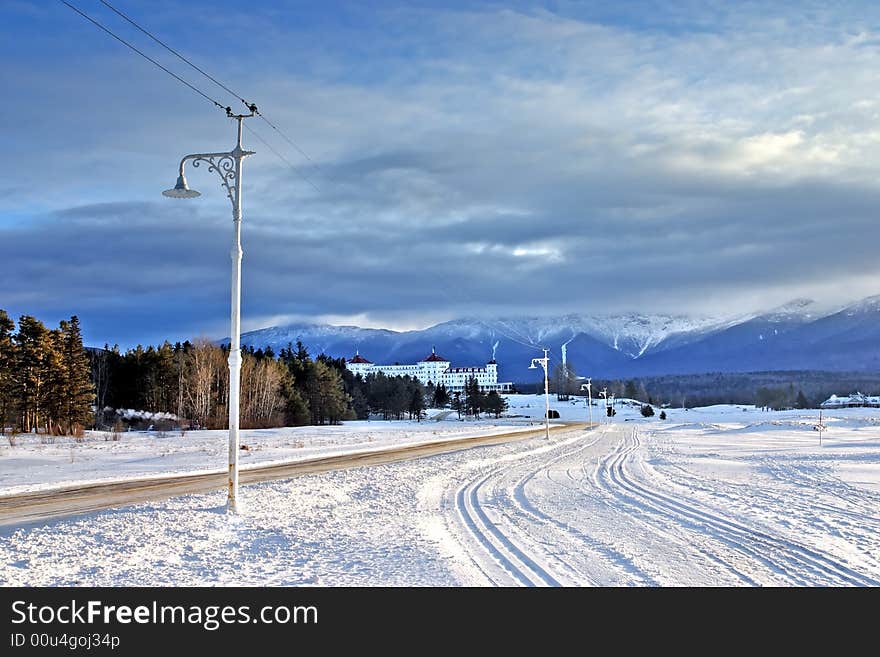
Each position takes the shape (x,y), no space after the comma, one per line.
(31,374)
(457,403)
(474,399)
(802,401)
(495,403)
(326,398)
(54,395)
(77,390)
(7,364)
(441,396)
(417,402)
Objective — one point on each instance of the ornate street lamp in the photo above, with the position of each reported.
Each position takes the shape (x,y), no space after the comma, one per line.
(229,167)
(544,362)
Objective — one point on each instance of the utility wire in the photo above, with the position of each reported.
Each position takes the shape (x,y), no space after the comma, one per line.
(281,157)
(145,56)
(290,141)
(250,106)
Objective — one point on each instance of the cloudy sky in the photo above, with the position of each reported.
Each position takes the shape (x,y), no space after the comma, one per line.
(463,159)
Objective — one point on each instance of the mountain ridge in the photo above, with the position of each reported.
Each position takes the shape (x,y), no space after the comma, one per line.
(795,335)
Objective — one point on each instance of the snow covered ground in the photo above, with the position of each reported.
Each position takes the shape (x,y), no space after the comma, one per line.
(32,464)
(722,495)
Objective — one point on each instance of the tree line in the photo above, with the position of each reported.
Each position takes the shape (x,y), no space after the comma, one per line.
(775,390)
(50,383)
(45,382)
(191,381)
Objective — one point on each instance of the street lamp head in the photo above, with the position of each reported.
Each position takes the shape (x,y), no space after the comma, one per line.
(181,190)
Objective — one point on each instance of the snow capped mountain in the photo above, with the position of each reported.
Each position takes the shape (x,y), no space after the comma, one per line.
(634,334)
(867,305)
(629,333)
(797,335)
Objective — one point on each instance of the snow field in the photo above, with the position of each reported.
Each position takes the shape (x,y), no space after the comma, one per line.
(712,496)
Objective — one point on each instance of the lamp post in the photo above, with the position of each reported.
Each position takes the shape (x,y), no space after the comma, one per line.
(229,167)
(544,362)
(604,394)
(588,386)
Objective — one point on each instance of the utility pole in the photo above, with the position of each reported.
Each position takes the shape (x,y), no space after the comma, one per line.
(588,386)
(544,362)
(229,167)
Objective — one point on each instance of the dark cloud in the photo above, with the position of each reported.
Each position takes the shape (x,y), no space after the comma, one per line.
(482,162)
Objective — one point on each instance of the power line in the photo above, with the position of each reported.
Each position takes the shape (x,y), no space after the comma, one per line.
(281,157)
(290,141)
(250,106)
(145,56)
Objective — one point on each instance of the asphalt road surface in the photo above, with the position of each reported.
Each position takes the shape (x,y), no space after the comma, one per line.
(58,502)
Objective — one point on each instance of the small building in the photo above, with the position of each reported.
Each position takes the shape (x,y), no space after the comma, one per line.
(436,370)
(855,400)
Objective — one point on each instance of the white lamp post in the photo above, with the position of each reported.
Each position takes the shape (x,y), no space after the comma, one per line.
(588,386)
(544,362)
(228,166)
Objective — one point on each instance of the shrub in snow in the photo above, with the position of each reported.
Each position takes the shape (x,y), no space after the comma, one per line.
(647,410)
(662,415)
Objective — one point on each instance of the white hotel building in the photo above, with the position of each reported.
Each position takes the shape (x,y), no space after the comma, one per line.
(437,370)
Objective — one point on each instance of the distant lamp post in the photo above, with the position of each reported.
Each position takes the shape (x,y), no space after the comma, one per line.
(604,394)
(544,362)
(588,386)
(229,167)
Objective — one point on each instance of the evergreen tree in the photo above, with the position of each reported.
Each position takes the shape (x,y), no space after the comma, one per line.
(54,401)
(296,409)
(417,402)
(802,401)
(495,403)
(326,398)
(31,374)
(473,397)
(441,396)
(457,404)
(7,368)
(400,396)
(359,403)
(78,392)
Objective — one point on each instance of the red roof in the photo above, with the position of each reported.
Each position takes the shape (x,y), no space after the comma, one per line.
(359,359)
(434,358)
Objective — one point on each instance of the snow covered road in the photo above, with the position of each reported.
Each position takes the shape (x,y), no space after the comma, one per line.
(632,503)
(596,510)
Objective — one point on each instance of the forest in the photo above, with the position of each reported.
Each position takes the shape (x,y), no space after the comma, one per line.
(52,384)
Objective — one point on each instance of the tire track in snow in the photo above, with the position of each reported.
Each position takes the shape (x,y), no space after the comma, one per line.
(511,558)
(614,557)
(676,538)
(750,541)
(505,552)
